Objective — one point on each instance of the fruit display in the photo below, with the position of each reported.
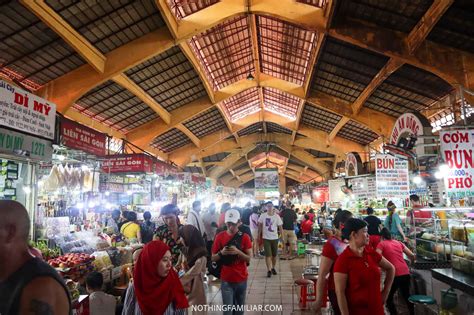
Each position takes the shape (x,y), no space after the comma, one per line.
(48,253)
(73,265)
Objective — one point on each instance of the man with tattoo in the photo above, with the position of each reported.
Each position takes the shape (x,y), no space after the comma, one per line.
(27,284)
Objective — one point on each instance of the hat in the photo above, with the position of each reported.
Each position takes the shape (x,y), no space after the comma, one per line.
(232,216)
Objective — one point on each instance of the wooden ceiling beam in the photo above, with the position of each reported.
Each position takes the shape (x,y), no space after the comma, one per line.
(189,134)
(452,65)
(336,129)
(145,134)
(426,24)
(64,30)
(67,89)
(135,89)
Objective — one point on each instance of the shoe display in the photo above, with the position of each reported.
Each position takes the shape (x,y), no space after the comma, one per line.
(274,271)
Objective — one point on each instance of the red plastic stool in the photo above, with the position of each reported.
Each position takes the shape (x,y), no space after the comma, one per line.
(314,279)
(307,293)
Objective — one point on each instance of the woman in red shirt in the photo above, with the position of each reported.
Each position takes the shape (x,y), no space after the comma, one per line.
(357,273)
(393,251)
(306,227)
(331,250)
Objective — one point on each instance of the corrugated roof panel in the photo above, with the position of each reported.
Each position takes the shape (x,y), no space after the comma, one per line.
(31,49)
(183,8)
(242,104)
(216,157)
(170,140)
(169,78)
(285,49)
(319,118)
(358,133)
(206,123)
(319,154)
(110,24)
(254,128)
(281,103)
(225,52)
(272,127)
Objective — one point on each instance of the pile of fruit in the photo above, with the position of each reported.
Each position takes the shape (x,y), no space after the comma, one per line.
(73,265)
(48,253)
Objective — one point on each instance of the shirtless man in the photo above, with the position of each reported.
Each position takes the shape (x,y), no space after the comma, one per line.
(27,284)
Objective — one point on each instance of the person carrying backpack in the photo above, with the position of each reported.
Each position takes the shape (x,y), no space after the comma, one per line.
(147,228)
(232,249)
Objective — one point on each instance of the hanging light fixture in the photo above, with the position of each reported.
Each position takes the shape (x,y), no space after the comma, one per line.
(250,77)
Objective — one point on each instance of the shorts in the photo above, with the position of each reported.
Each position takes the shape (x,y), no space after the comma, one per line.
(254,233)
(288,236)
(270,247)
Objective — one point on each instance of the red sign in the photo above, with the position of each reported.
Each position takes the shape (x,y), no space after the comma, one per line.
(128,163)
(76,136)
(162,168)
(321,194)
(198,179)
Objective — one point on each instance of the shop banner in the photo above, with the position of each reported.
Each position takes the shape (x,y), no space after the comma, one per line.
(162,168)
(198,179)
(26,112)
(457,148)
(363,187)
(321,194)
(77,136)
(335,190)
(391,177)
(19,144)
(128,163)
(266,178)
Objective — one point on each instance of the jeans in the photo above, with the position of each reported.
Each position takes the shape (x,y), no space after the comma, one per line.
(401,283)
(233,294)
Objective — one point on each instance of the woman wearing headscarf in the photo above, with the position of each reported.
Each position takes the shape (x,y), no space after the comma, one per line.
(393,222)
(194,252)
(393,251)
(156,289)
(168,232)
(357,273)
(331,250)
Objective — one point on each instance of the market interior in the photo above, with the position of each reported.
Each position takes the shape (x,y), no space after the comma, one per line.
(322,104)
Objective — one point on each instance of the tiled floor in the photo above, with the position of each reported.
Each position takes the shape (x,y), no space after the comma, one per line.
(262,290)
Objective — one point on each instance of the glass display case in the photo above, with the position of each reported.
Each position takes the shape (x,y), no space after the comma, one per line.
(445,239)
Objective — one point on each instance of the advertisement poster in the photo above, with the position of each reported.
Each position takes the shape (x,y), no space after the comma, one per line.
(391,177)
(321,194)
(123,163)
(26,112)
(77,136)
(457,148)
(266,183)
(335,190)
(363,187)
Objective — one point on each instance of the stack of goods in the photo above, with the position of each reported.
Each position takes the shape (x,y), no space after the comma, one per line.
(103,264)
(73,266)
(73,289)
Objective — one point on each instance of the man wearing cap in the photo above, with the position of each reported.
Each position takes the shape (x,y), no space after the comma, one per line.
(269,224)
(233,249)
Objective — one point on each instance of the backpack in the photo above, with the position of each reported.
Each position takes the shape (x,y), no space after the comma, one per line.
(147,229)
(215,267)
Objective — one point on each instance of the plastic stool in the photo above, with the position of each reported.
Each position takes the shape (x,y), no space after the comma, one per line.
(422,300)
(301,248)
(307,293)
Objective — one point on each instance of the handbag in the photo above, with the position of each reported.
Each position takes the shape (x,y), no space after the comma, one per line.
(215,267)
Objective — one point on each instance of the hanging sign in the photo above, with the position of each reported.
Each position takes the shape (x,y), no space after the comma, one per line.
(26,112)
(76,136)
(353,165)
(321,194)
(335,190)
(410,127)
(266,183)
(19,144)
(198,179)
(128,163)
(391,177)
(457,147)
(162,168)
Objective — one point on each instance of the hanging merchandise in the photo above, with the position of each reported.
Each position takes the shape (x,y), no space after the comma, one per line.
(69,177)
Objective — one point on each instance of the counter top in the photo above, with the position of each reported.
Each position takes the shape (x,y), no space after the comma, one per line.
(455,279)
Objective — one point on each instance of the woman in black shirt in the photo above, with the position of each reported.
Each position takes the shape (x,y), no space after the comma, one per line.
(374,227)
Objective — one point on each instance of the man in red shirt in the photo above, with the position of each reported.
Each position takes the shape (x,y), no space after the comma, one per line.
(233,249)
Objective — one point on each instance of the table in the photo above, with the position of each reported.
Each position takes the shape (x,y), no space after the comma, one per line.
(455,279)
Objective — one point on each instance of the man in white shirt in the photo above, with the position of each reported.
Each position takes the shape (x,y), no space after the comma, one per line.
(100,303)
(269,224)
(194,217)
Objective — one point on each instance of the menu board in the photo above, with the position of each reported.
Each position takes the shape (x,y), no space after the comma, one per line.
(456,150)
(392,179)
(363,187)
